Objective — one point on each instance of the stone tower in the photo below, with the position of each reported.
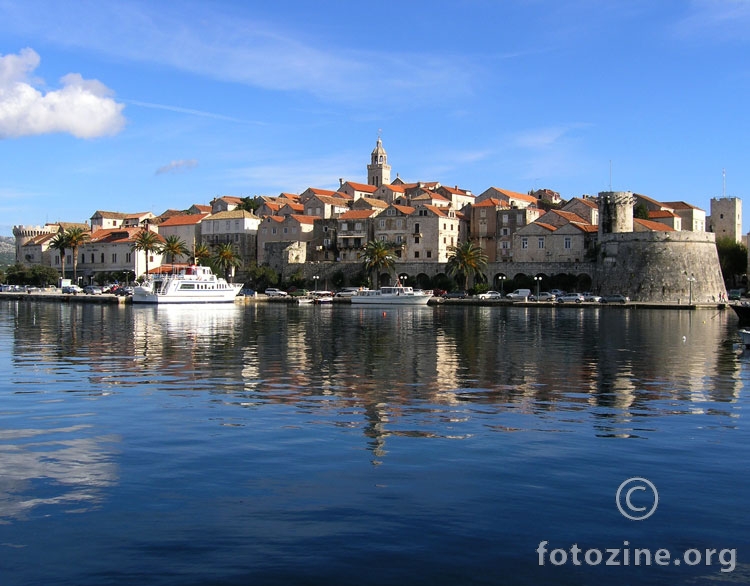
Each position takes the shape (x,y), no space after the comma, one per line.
(378,171)
(726,218)
(616,212)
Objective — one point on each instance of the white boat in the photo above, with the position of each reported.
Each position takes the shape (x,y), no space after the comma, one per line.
(397,295)
(745,336)
(193,284)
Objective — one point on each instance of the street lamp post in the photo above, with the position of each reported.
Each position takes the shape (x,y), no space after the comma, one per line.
(315,279)
(691,279)
(502,284)
(538,280)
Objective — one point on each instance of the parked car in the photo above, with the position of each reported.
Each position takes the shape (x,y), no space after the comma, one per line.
(734,294)
(456,295)
(121,291)
(247,292)
(273,292)
(615,298)
(589,296)
(490,295)
(543,296)
(92,290)
(73,289)
(570,298)
(557,292)
(519,294)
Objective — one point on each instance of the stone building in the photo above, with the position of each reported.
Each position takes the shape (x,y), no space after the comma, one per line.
(236,227)
(726,218)
(187,228)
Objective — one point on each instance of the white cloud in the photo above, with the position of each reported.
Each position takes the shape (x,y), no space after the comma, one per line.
(83,108)
(177,166)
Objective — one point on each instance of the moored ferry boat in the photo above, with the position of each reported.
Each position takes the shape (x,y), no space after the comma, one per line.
(396,295)
(194,284)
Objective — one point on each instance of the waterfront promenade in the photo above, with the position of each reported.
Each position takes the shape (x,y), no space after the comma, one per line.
(56,296)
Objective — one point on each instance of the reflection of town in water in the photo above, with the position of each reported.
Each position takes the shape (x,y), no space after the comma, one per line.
(427,372)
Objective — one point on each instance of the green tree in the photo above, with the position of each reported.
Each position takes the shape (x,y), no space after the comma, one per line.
(467,260)
(41,276)
(60,243)
(640,211)
(77,237)
(173,247)
(148,242)
(201,254)
(249,204)
(226,259)
(732,258)
(378,256)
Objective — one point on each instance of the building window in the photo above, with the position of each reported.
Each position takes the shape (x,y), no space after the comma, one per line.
(344,226)
(399,223)
(228,224)
(273,231)
(519,219)
(429,254)
(399,239)
(92,258)
(416,240)
(524,242)
(416,254)
(102,257)
(540,242)
(128,257)
(505,244)
(568,243)
(114,257)
(505,218)
(358,226)
(286,230)
(505,232)
(483,213)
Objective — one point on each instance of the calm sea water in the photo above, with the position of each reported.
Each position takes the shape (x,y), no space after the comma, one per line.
(279,444)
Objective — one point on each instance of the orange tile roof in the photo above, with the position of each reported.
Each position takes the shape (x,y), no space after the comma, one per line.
(586,202)
(408,210)
(317,191)
(399,188)
(490,202)
(303,219)
(298,207)
(362,187)
(334,201)
(681,205)
(653,226)
(515,195)
(662,214)
(547,226)
(183,220)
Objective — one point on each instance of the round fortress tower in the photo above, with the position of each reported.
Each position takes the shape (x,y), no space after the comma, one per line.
(616,212)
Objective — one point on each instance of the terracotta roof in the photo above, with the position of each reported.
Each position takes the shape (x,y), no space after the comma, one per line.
(653,226)
(590,228)
(543,225)
(111,215)
(40,239)
(681,205)
(285,195)
(334,201)
(586,202)
(376,203)
(202,208)
(408,210)
(231,199)
(342,195)
(398,188)
(569,216)
(317,191)
(303,219)
(183,220)
(362,186)
(455,190)
(358,214)
(515,195)
(119,235)
(297,207)
(437,210)
(490,202)
(662,214)
(277,219)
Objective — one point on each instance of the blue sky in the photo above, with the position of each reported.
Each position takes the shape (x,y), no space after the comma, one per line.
(146,106)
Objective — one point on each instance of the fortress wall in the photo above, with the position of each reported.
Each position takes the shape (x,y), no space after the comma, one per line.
(656,266)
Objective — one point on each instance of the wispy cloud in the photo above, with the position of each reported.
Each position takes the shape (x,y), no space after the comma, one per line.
(544,138)
(174,167)
(191,112)
(200,39)
(83,108)
(721,20)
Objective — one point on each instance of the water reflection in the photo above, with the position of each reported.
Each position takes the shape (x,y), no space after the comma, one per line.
(398,370)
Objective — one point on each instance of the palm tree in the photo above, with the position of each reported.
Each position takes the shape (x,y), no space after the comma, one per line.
(226,259)
(76,237)
(60,243)
(146,241)
(466,259)
(174,246)
(378,255)
(201,253)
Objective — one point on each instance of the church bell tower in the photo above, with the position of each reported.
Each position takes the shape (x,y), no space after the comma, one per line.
(378,171)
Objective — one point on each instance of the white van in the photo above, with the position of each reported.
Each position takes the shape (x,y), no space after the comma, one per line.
(519,294)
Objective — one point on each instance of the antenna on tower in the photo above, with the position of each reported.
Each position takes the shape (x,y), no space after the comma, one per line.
(610,174)
(723,183)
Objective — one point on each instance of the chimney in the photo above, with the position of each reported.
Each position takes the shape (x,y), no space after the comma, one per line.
(341,181)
